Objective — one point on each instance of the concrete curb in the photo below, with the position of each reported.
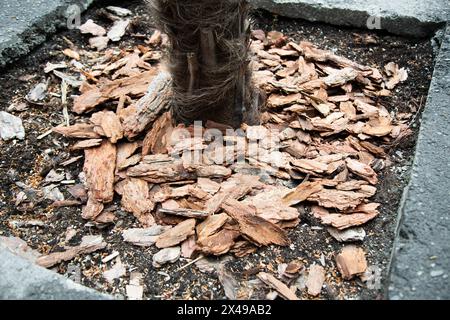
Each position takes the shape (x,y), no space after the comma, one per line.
(420,264)
(22,280)
(25,24)
(413,18)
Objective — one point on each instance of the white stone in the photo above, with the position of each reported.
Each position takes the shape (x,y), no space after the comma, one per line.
(348,235)
(167,255)
(11,127)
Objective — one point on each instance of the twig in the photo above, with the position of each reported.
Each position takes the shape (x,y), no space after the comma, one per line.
(190,263)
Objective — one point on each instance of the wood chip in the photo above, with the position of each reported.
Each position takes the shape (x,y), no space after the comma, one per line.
(144,237)
(92,209)
(351,261)
(338,199)
(218,243)
(341,77)
(345,221)
(211,225)
(362,170)
(88,244)
(277,285)
(99,166)
(188,247)
(396,75)
(148,108)
(81,131)
(124,152)
(106,90)
(135,199)
(302,193)
(269,205)
(276,100)
(316,278)
(208,185)
(157,139)
(177,234)
(71,54)
(92,28)
(87,144)
(255,228)
(110,124)
(183,212)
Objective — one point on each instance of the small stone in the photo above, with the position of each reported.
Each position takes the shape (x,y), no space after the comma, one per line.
(348,235)
(167,255)
(11,127)
(38,93)
(436,273)
(118,11)
(52,193)
(117,271)
(54,176)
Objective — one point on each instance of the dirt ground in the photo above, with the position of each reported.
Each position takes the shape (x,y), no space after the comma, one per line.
(30,160)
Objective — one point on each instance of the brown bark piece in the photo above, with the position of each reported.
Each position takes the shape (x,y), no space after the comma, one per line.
(276,100)
(211,225)
(84,144)
(165,169)
(80,131)
(148,108)
(208,185)
(89,244)
(219,243)
(309,165)
(362,170)
(183,212)
(107,90)
(135,199)
(351,261)
(345,221)
(157,140)
(110,124)
(124,152)
(302,193)
(341,200)
(92,209)
(256,229)
(277,285)
(99,166)
(396,75)
(341,77)
(269,205)
(177,234)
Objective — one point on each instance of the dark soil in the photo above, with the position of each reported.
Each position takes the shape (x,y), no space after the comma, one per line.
(29,160)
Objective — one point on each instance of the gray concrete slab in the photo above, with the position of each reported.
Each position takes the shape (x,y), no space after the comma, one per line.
(24,24)
(418,18)
(22,280)
(420,268)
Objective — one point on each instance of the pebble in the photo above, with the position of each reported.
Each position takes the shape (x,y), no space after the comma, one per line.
(38,93)
(436,273)
(167,255)
(348,235)
(52,193)
(11,127)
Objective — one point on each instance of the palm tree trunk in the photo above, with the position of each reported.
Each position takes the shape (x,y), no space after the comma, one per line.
(207,57)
